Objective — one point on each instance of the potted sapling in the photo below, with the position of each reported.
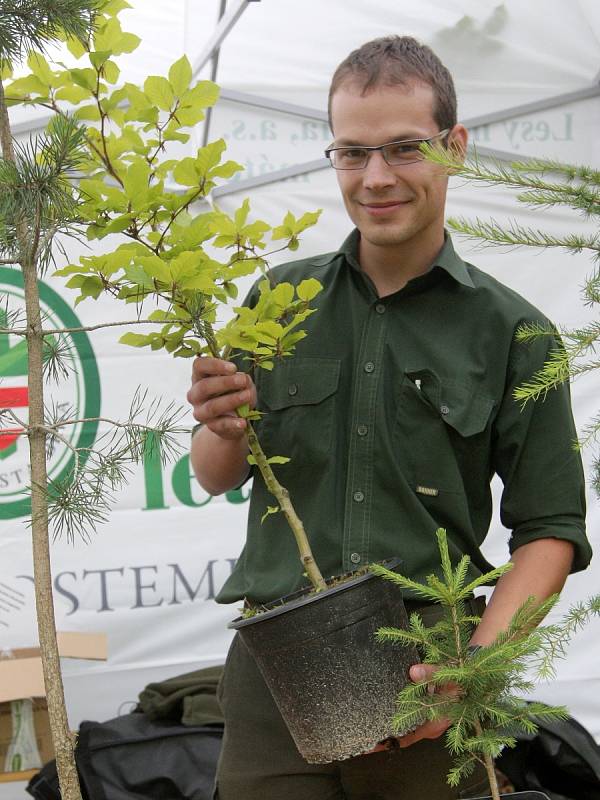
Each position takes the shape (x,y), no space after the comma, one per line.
(132,186)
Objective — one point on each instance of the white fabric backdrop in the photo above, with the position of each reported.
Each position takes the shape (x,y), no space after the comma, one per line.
(148,577)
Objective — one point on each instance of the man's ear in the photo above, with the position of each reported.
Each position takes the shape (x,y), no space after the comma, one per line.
(457,142)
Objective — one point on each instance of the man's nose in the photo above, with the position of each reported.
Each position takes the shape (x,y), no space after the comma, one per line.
(378,174)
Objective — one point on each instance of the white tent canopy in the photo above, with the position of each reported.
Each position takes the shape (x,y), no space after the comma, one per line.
(527,78)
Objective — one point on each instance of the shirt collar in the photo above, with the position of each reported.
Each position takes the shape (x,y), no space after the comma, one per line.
(447,259)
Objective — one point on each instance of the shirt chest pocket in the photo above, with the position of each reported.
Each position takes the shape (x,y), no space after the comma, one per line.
(442,431)
(298,403)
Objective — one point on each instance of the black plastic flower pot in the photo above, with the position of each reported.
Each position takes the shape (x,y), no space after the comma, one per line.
(335,686)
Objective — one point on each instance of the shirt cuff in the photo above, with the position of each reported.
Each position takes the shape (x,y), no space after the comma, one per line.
(567,530)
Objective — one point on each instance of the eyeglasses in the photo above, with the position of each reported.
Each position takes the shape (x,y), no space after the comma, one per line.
(395,154)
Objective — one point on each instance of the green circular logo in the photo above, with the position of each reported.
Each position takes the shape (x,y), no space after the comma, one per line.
(74,396)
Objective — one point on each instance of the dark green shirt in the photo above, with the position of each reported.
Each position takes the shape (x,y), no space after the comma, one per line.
(396,413)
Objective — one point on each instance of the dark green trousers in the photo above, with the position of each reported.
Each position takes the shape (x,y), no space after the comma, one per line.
(259,760)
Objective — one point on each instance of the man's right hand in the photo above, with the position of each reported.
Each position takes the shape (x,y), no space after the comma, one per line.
(217,390)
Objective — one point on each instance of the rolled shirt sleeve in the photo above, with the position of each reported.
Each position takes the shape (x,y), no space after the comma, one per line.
(536,456)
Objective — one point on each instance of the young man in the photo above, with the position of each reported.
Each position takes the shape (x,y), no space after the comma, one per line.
(396,410)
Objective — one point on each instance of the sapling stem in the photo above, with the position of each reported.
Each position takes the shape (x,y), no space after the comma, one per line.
(489,766)
(279,492)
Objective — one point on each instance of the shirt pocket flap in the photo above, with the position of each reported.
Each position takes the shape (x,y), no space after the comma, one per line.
(458,405)
(299,382)
(464,410)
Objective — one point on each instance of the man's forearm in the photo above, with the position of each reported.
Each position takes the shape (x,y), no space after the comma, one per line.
(540,570)
(219,464)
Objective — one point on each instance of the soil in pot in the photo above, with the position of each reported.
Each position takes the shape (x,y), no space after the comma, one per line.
(333,683)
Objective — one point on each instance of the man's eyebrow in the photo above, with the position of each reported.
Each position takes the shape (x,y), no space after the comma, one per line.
(404,137)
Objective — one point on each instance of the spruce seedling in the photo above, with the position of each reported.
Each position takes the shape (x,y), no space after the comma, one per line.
(483,706)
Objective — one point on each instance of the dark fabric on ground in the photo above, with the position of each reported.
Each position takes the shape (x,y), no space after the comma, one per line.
(189,699)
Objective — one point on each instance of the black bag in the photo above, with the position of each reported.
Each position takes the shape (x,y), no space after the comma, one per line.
(561,759)
(134,758)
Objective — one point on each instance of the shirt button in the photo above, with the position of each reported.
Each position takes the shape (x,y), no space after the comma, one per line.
(444,409)
(362,430)
(369,366)
(380,308)
(358,497)
(292,389)
(355,558)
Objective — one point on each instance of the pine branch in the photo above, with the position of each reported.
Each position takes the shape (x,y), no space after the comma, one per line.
(516,235)
(81,500)
(571,172)
(517,175)
(27,25)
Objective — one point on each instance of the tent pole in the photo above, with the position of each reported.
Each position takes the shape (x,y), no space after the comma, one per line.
(213,76)
(225,24)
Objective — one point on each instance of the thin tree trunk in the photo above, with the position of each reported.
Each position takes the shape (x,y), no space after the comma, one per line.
(489,768)
(62,739)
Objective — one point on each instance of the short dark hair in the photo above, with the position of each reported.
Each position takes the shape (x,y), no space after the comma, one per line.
(398,60)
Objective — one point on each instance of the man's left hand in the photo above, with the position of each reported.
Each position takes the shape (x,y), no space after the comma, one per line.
(428,730)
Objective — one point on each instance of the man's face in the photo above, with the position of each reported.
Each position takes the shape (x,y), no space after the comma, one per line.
(397,205)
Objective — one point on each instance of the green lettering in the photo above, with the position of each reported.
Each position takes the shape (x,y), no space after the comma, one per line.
(153,477)
(183,479)
(237,496)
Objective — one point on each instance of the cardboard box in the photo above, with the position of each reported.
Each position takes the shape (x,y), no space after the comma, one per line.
(21,676)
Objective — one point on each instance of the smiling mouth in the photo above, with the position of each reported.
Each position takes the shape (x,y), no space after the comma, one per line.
(382,208)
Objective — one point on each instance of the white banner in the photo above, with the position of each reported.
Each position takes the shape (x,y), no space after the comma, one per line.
(149,576)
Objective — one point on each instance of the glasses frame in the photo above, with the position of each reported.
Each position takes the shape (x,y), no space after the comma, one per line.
(380,147)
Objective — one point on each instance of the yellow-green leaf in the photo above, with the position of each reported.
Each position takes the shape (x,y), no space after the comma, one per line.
(226,170)
(241,215)
(180,75)
(283,294)
(135,182)
(158,90)
(39,66)
(277,460)
(209,156)
(74,94)
(75,47)
(111,37)
(307,220)
(114,7)
(186,172)
(155,267)
(270,510)
(84,77)
(189,115)
(308,289)
(202,95)
(111,72)
(135,339)
(89,112)
(23,87)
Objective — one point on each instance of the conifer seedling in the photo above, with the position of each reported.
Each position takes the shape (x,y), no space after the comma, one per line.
(485,706)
